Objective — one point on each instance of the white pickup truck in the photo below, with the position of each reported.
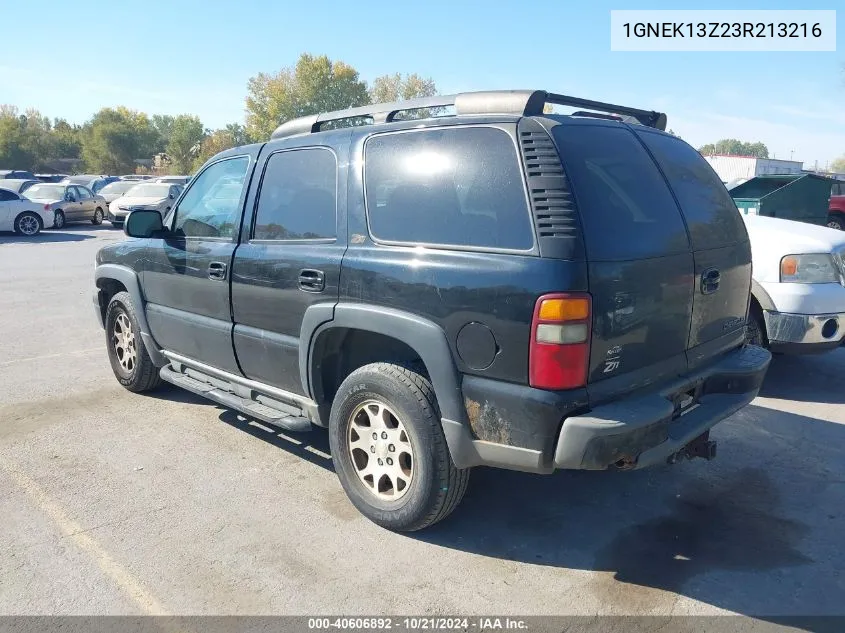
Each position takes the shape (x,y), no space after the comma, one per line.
(798,286)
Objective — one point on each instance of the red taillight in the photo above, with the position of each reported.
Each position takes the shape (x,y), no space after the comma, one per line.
(46,207)
(560,341)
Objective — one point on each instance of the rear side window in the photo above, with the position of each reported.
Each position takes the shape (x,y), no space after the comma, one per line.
(6,196)
(627,210)
(712,218)
(298,196)
(452,187)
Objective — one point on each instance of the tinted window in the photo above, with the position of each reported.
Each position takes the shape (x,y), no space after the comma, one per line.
(456,186)
(625,205)
(712,218)
(298,197)
(5,195)
(212,206)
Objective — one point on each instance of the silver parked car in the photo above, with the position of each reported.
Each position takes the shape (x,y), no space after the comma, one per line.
(69,202)
(115,190)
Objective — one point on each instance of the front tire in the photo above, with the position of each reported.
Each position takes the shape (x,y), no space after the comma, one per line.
(98,217)
(28,224)
(130,362)
(59,220)
(836,222)
(389,450)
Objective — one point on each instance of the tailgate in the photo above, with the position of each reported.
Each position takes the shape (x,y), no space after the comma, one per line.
(640,262)
(720,244)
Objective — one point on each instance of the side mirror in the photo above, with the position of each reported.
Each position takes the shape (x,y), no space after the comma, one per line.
(69,197)
(170,196)
(143,224)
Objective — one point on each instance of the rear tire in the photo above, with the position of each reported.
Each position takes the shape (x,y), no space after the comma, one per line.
(130,362)
(836,221)
(59,220)
(28,224)
(98,217)
(399,403)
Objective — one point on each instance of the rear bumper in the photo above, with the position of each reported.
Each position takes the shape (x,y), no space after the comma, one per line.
(804,333)
(638,430)
(647,429)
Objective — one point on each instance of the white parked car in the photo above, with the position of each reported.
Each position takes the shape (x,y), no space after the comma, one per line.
(798,286)
(174,180)
(145,196)
(22,215)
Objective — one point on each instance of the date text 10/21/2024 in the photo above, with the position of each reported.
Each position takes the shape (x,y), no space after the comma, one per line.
(479,623)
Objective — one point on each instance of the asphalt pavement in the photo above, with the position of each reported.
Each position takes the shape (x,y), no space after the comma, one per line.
(116,503)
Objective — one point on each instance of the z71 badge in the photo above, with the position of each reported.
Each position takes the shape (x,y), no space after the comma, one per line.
(613,359)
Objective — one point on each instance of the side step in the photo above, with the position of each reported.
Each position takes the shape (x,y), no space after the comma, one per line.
(248,406)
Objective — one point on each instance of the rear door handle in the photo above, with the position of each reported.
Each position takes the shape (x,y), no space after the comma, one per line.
(710,279)
(217,271)
(311,280)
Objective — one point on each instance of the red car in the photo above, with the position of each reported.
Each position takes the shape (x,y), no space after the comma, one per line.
(836,210)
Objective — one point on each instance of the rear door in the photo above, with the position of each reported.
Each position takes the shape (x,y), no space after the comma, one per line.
(289,258)
(721,249)
(640,263)
(87,202)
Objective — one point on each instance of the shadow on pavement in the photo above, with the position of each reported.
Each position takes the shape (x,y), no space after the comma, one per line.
(312,446)
(757,532)
(812,378)
(45,237)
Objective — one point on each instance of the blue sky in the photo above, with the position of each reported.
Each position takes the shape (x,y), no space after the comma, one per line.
(191,56)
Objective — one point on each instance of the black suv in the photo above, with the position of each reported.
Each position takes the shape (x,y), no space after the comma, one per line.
(479,284)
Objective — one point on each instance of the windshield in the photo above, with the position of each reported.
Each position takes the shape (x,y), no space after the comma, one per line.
(46,192)
(118,187)
(149,190)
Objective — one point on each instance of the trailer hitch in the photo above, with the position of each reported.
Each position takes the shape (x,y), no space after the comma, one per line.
(702,446)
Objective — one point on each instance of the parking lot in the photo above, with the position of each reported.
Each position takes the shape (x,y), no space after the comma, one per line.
(116,503)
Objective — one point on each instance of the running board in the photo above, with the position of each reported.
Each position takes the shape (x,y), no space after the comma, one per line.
(249,406)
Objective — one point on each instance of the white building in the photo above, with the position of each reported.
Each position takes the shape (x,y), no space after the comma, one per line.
(742,168)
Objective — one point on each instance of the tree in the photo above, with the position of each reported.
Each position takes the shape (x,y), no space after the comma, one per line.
(735,147)
(163,125)
(15,153)
(186,135)
(66,140)
(110,141)
(395,87)
(315,84)
(217,141)
(838,166)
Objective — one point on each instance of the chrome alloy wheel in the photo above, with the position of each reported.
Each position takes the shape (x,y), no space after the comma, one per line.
(381,450)
(123,338)
(28,225)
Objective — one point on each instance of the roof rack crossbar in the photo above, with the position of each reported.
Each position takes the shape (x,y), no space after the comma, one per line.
(515,102)
(378,112)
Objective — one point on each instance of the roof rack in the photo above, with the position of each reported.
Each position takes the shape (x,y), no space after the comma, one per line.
(516,102)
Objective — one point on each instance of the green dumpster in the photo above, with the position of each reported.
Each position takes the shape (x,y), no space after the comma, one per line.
(800,197)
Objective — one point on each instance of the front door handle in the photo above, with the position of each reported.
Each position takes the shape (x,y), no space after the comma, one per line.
(217,271)
(311,280)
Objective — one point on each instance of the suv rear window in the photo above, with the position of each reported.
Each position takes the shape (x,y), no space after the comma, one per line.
(452,187)
(627,210)
(712,217)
